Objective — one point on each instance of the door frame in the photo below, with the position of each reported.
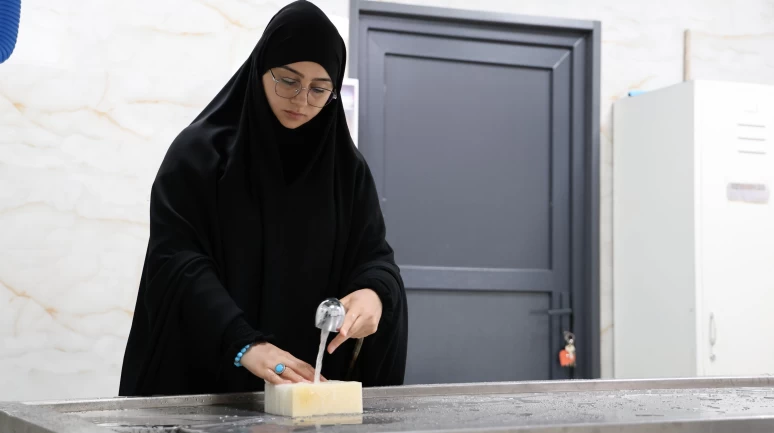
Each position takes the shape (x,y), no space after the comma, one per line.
(584,263)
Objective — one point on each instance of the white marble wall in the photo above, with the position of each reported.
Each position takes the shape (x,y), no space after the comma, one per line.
(89,102)
(96,90)
(745,57)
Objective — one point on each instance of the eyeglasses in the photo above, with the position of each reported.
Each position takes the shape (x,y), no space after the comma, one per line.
(289,88)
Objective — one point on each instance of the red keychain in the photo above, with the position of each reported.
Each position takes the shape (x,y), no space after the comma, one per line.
(567,355)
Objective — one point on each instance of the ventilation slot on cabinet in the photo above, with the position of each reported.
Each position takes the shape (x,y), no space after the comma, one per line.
(751,138)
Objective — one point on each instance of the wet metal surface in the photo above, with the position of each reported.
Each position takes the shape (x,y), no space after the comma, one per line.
(579,406)
(477,412)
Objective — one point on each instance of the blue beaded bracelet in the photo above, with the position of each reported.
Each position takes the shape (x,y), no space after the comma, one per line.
(239,355)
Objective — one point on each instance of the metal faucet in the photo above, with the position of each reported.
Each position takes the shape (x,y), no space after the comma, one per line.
(330,315)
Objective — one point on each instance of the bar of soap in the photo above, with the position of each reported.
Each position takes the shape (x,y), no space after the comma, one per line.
(311,399)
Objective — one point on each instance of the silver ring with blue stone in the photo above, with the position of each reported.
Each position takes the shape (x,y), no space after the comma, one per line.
(280,368)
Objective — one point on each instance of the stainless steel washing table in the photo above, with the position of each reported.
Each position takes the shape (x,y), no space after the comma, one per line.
(675,405)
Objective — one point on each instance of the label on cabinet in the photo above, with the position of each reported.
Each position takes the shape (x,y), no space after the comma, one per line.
(748,192)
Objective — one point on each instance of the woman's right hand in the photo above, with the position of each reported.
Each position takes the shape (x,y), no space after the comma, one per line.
(261,359)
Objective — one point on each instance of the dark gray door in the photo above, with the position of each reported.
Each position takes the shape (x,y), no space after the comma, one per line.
(476,128)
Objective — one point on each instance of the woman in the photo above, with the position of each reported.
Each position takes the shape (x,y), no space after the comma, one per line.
(261,209)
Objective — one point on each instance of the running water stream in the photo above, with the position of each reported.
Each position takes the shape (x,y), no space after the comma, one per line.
(320,353)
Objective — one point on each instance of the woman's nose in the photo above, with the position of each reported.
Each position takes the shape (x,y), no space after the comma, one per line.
(301,97)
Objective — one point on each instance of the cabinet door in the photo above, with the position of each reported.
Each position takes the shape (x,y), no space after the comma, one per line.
(736,229)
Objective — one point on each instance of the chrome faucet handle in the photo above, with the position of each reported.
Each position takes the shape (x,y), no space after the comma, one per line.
(330,315)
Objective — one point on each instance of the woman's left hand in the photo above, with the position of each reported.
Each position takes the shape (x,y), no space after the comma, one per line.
(364,309)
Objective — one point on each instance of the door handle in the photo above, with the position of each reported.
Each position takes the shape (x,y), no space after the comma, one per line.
(559,311)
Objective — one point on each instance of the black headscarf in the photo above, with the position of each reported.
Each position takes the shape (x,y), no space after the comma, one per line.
(252,225)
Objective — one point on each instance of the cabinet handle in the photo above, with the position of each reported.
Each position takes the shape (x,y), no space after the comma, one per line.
(713,335)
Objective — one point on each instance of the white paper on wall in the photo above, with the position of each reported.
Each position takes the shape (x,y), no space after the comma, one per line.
(350,98)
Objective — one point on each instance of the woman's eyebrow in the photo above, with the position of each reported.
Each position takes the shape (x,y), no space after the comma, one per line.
(302,75)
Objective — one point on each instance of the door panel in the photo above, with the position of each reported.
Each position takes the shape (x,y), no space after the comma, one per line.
(459,147)
(513,323)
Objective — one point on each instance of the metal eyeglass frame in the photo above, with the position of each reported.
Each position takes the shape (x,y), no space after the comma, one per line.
(276,81)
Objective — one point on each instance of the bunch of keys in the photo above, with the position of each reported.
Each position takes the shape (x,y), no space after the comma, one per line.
(567,355)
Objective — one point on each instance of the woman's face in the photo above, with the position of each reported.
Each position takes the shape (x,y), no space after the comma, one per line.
(297,92)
